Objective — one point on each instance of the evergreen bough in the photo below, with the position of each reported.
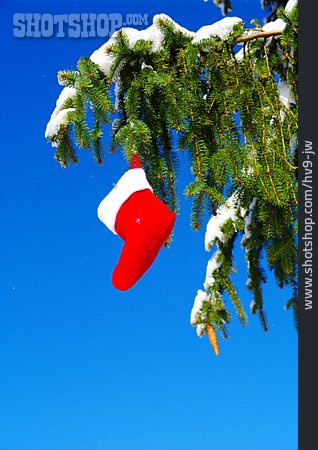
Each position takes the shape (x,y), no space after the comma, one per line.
(228,115)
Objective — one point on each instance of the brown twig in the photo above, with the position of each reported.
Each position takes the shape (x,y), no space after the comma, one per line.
(259,34)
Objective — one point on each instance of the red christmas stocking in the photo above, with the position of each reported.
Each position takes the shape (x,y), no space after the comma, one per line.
(133,212)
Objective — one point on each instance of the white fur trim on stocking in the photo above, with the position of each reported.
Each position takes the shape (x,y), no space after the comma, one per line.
(132,181)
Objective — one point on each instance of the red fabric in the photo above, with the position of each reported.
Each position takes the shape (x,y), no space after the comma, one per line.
(144,223)
(135,162)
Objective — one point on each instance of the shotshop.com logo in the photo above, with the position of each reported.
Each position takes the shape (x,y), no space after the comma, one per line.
(85,25)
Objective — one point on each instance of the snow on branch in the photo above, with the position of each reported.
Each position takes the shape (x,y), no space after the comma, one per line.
(58,119)
(290,6)
(104,58)
(208,303)
(274,28)
(215,224)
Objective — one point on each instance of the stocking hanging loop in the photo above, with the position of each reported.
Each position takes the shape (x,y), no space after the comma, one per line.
(135,161)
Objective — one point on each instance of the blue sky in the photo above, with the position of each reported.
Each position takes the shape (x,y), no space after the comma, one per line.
(83,366)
